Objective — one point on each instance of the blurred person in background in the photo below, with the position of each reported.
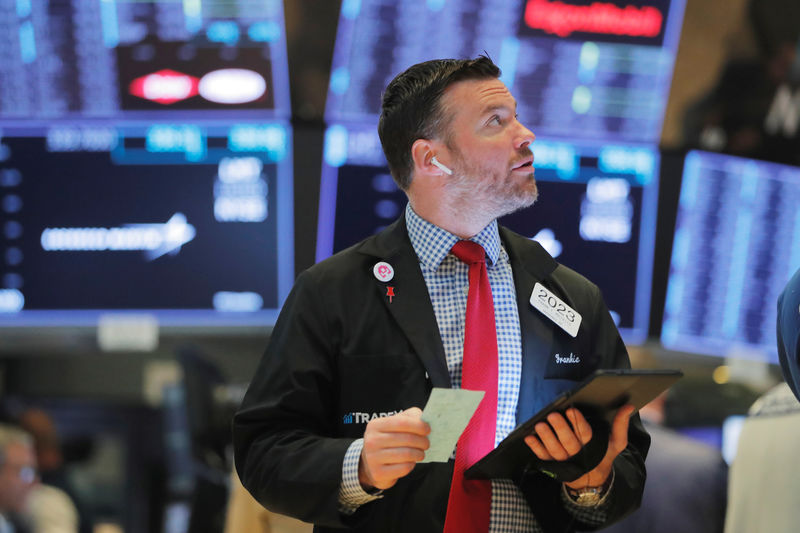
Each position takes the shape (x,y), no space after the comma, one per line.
(17,477)
(56,487)
(752,109)
(246,515)
(763,488)
(687,480)
(763,484)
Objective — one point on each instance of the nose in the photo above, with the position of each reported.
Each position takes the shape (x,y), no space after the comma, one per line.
(524,137)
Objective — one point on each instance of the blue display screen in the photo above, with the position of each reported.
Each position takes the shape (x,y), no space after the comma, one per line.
(736,244)
(145,162)
(579,69)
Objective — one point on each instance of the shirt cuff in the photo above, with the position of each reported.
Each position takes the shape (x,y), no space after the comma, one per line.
(351,494)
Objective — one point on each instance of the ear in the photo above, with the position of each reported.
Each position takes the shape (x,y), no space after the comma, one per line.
(422,153)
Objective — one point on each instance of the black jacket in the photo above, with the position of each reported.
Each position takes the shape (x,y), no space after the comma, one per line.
(340,347)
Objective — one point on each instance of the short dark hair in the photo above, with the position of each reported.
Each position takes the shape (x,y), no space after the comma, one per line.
(411,107)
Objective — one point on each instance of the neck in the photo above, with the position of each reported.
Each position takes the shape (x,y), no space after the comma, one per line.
(459,218)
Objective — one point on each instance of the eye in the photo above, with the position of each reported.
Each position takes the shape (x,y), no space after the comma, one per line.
(495,120)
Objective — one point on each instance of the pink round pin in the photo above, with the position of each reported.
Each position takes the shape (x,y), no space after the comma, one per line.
(383,271)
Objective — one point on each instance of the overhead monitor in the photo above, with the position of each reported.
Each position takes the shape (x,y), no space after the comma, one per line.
(101,59)
(736,244)
(596,211)
(145,162)
(190,224)
(580,69)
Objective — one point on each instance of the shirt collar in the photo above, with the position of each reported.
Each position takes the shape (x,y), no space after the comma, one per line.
(432,243)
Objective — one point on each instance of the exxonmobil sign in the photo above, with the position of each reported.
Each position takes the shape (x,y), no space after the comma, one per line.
(631,21)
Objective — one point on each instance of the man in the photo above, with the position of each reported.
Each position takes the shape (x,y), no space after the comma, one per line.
(55,500)
(789,333)
(763,482)
(330,430)
(17,475)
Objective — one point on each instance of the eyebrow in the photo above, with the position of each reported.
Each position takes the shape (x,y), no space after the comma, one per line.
(492,108)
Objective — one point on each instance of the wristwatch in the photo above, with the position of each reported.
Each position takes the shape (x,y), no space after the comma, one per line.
(590,496)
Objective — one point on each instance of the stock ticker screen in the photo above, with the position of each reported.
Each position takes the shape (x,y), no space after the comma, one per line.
(736,244)
(596,211)
(578,68)
(145,161)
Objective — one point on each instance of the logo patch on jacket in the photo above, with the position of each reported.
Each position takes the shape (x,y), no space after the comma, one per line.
(357,417)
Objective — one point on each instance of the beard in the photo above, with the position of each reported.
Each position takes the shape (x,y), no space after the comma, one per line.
(488,192)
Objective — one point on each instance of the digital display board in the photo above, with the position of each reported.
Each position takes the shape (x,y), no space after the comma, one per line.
(64,59)
(596,211)
(175,220)
(145,162)
(736,244)
(579,69)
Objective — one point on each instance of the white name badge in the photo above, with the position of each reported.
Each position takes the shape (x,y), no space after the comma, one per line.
(555,309)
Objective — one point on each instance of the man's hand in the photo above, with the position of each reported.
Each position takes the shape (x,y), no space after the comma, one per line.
(558,440)
(393,445)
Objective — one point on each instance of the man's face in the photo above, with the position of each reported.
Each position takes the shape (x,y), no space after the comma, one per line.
(489,149)
(17,477)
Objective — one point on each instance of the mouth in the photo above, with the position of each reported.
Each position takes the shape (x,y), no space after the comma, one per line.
(526,165)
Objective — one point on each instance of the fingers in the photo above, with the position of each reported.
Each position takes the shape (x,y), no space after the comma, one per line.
(617,442)
(409,421)
(392,446)
(560,438)
(382,440)
(582,428)
(619,430)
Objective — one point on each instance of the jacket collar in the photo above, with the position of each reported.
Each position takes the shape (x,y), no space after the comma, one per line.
(411,306)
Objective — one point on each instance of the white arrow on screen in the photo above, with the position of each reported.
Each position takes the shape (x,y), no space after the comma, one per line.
(174,233)
(154,240)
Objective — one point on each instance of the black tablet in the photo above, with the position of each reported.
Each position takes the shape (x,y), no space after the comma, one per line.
(603,393)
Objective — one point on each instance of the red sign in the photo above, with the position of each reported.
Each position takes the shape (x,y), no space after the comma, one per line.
(165,86)
(563,19)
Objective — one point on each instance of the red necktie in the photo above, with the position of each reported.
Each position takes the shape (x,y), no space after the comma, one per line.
(470,501)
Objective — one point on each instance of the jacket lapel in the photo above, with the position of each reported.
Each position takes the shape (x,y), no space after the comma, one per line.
(410,305)
(530,264)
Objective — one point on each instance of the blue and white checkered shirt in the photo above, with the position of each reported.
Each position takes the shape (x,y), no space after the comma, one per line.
(448,284)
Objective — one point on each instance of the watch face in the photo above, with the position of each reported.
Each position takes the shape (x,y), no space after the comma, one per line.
(588,497)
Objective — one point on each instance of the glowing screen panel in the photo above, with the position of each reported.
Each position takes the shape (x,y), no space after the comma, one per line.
(736,244)
(578,68)
(145,161)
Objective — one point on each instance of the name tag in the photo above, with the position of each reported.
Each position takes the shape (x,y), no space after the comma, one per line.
(556,310)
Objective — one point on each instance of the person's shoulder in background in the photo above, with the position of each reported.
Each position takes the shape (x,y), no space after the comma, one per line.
(51,510)
(246,514)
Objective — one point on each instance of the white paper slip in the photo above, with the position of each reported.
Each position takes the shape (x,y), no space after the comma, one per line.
(448,412)
(555,309)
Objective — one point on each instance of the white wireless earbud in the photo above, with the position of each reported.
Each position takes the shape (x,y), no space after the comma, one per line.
(441,166)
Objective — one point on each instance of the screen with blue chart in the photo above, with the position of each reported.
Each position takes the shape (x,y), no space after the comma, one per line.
(145,162)
(578,68)
(596,210)
(736,244)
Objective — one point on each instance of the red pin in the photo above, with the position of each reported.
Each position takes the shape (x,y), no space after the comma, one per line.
(390,293)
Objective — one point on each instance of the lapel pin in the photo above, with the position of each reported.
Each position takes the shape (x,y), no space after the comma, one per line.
(383,271)
(390,293)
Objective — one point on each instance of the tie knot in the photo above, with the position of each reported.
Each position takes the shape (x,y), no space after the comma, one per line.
(469,252)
